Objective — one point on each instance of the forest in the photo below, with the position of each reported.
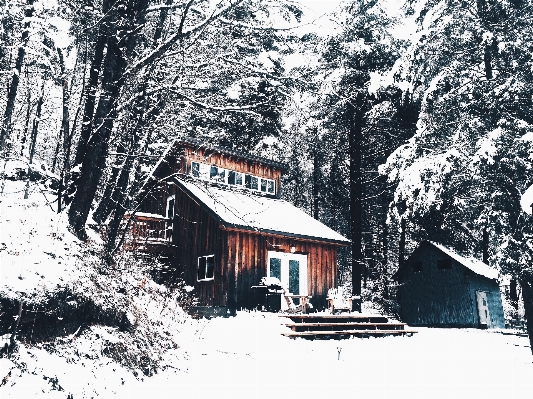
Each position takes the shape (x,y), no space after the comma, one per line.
(406,121)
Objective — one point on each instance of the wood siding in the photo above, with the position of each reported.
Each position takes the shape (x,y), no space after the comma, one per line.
(240,258)
(433,297)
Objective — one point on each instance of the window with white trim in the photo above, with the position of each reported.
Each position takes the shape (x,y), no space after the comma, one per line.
(206,268)
(232,178)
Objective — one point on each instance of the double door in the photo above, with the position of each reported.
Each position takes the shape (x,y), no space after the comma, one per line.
(290,269)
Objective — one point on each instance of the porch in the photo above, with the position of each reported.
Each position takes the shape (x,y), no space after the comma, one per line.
(147,232)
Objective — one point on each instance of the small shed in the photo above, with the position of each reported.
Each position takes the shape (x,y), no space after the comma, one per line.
(438,287)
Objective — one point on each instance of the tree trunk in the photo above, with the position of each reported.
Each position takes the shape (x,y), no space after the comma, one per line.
(97,147)
(316,174)
(15,78)
(65,131)
(104,208)
(401,247)
(527,294)
(90,99)
(33,138)
(356,179)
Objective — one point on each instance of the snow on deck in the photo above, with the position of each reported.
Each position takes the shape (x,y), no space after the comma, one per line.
(253,212)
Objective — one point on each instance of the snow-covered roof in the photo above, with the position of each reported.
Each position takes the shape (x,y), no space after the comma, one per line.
(238,209)
(473,264)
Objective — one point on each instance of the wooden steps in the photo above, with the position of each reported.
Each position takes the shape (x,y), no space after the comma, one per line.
(343,326)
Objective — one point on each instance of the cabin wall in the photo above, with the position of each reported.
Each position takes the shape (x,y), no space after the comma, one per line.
(248,257)
(435,297)
(240,258)
(196,233)
(494,299)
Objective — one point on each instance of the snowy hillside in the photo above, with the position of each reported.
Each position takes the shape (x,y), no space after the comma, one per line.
(91,331)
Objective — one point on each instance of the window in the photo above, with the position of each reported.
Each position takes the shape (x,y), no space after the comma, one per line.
(171,201)
(255,183)
(271,187)
(444,264)
(214,173)
(205,171)
(417,266)
(206,268)
(195,169)
(218,174)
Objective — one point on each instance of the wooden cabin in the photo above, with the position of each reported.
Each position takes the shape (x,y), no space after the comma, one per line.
(217,214)
(438,287)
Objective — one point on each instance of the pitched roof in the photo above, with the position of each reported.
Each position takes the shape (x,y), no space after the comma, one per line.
(241,210)
(473,264)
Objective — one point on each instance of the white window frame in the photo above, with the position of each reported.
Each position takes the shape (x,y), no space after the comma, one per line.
(204,173)
(205,271)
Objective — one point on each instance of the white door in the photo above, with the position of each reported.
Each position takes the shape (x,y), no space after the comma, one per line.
(483,308)
(290,269)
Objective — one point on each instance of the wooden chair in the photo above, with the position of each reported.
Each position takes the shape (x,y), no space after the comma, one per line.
(339,300)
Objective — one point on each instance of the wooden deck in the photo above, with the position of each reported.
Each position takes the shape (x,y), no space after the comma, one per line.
(343,326)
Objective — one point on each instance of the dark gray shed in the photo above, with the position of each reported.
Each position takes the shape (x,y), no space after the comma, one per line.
(438,287)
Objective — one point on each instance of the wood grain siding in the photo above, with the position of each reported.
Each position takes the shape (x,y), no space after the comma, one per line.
(433,296)
(196,233)
(443,297)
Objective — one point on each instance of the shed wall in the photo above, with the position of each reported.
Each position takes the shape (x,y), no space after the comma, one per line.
(434,297)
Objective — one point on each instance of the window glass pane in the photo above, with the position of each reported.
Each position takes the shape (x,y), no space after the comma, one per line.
(275,268)
(221,175)
(205,171)
(263,185)
(417,266)
(213,173)
(444,264)
(231,177)
(255,183)
(170,210)
(238,178)
(248,181)
(294,277)
(195,169)
(201,268)
(209,267)
(270,186)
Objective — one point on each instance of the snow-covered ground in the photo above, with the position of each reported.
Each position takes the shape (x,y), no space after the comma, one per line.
(247,357)
(241,357)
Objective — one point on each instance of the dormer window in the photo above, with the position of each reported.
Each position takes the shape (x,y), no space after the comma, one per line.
(232,178)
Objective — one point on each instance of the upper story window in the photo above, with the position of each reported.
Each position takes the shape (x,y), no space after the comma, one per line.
(417,266)
(444,264)
(232,178)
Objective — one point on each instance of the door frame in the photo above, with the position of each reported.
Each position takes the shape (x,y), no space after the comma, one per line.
(285,257)
(483,311)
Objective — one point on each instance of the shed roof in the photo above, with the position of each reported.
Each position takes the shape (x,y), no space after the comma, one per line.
(241,210)
(473,264)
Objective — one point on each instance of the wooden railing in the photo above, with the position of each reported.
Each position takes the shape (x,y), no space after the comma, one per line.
(147,229)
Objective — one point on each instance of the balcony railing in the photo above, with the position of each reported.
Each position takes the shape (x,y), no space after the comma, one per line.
(147,229)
